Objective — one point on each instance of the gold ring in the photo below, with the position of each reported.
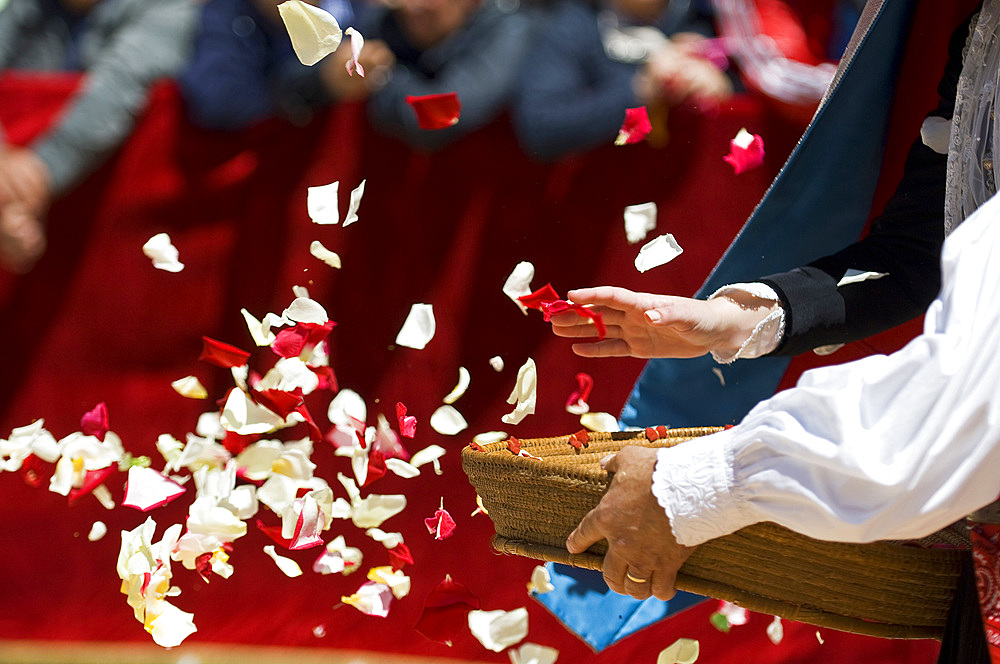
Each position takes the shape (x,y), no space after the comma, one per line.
(635,579)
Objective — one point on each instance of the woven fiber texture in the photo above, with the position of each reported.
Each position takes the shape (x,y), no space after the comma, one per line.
(537,490)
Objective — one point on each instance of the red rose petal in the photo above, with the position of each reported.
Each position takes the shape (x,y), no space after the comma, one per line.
(400,555)
(635,128)
(236,443)
(222,354)
(293,341)
(514,445)
(550,309)
(441,525)
(327,379)
(95,421)
(407,424)
(274,532)
(745,159)
(376,466)
(585,383)
(438,111)
(535,300)
(279,402)
(445,611)
(91,480)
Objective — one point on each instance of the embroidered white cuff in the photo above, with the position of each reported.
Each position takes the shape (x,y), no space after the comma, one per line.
(766,335)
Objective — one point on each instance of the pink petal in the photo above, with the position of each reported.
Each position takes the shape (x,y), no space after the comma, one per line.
(95,422)
(438,111)
(146,489)
(441,525)
(578,399)
(635,128)
(407,424)
(746,152)
(293,341)
(357,43)
(222,354)
(445,611)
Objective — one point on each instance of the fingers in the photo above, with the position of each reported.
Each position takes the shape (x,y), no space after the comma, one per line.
(585,535)
(662,584)
(604,348)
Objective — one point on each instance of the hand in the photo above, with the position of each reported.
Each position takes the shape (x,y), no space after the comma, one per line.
(376,58)
(646,325)
(643,556)
(24,179)
(676,73)
(22,238)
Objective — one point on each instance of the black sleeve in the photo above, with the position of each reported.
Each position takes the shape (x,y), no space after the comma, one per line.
(904,242)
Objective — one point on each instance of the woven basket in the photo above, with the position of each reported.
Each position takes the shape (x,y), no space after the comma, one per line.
(891,590)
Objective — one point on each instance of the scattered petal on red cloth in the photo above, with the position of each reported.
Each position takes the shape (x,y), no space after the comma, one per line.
(95,421)
(541,296)
(91,481)
(446,611)
(222,354)
(550,309)
(315,435)
(236,443)
(293,341)
(147,489)
(635,128)
(34,471)
(441,525)
(274,532)
(407,423)
(746,152)
(327,379)
(279,402)
(400,555)
(376,465)
(438,111)
(577,402)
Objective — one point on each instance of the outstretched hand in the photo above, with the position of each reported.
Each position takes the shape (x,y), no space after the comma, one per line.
(646,325)
(643,556)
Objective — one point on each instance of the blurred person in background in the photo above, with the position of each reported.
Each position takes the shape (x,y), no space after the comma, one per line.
(244,69)
(598,58)
(121,47)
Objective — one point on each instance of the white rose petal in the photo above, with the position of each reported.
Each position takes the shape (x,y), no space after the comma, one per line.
(163,254)
(402,468)
(523,395)
(287,566)
(146,489)
(372,599)
(463,384)
(681,651)
(322,204)
(857,276)
(97,531)
(518,283)
(331,258)
(375,509)
(244,417)
(427,455)
(346,405)
(497,630)
(775,631)
(172,626)
(356,193)
(532,653)
(305,310)
(418,329)
(189,387)
(497,363)
(388,540)
(743,138)
(314,32)
(488,437)
(639,221)
(599,421)
(447,421)
(541,581)
(657,252)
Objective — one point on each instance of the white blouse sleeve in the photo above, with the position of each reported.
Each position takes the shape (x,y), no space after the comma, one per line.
(887,447)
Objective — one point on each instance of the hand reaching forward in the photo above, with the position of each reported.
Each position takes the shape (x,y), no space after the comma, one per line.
(643,556)
(647,325)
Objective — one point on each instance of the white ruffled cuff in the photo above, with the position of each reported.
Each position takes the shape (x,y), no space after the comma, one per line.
(766,335)
(693,483)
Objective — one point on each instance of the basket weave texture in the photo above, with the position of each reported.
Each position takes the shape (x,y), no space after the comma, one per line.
(891,590)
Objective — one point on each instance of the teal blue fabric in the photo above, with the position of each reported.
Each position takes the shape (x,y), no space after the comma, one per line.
(818,204)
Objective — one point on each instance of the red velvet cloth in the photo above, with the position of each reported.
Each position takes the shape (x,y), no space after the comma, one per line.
(95,322)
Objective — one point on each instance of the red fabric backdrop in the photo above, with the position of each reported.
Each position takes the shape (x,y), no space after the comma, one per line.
(95,322)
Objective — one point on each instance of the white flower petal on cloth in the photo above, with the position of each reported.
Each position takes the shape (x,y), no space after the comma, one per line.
(207,517)
(314,32)
(300,291)
(357,192)
(464,378)
(402,468)
(532,653)
(735,615)
(288,567)
(372,599)
(305,310)
(331,258)
(172,626)
(639,221)
(499,629)
(103,496)
(497,363)
(163,254)
(775,631)
(97,531)
(289,373)
(397,582)
(429,454)
(852,276)
(243,416)
(357,43)
(375,509)
(359,463)
(257,458)
(418,328)
(243,499)
(487,437)
(32,439)
(541,581)
(935,133)
(657,252)
(346,405)
(599,421)
(190,387)
(518,284)
(210,425)
(447,421)
(681,651)
(523,394)
(388,540)
(322,204)
(353,493)
(339,557)
(146,489)
(256,329)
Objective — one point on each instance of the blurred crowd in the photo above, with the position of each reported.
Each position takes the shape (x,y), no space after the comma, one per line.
(563,71)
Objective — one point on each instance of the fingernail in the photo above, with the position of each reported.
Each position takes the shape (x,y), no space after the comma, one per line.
(653,316)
